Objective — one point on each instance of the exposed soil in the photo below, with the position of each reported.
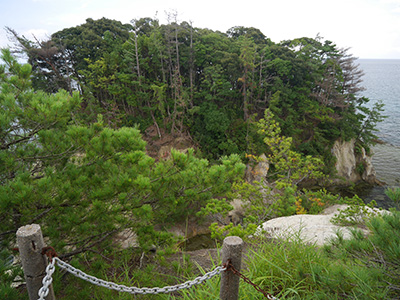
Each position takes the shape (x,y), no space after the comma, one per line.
(160,142)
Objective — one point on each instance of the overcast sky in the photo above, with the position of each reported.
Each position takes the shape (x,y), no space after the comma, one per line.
(371,28)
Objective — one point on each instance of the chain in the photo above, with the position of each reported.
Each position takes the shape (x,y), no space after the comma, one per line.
(118,287)
(47,280)
(231,268)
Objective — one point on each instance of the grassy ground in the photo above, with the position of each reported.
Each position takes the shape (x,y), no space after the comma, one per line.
(361,268)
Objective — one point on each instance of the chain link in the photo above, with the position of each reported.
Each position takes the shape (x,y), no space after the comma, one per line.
(47,280)
(231,268)
(119,287)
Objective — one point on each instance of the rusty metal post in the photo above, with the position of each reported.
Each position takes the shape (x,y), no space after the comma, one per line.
(232,251)
(30,243)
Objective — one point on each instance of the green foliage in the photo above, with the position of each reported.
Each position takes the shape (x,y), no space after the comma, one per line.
(314,202)
(212,126)
(282,198)
(359,268)
(218,232)
(394,195)
(288,269)
(285,205)
(370,117)
(357,213)
(182,78)
(294,270)
(9,273)
(84,183)
(289,167)
(90,40)
(67,162)
(378,253)
(260,201)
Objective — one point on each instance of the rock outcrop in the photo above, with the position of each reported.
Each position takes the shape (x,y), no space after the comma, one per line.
(351,166)
(259,171)
(316,229)
(345,160)
(369,174)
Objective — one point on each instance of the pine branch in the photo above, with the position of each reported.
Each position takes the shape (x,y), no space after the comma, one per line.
(87,248)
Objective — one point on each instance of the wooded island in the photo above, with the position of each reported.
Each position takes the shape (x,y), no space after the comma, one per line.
(88,129)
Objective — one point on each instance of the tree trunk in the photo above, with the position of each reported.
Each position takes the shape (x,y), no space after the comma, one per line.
(137,58)
(191,62)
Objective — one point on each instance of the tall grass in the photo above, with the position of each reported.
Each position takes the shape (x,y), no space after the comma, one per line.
(288,269)
(363,267)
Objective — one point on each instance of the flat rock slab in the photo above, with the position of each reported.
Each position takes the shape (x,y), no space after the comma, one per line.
(316,229)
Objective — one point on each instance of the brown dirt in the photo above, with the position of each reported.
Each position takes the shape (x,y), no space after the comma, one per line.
(159,147)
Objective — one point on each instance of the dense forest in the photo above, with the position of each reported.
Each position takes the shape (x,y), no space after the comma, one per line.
(72,123)
(210,85)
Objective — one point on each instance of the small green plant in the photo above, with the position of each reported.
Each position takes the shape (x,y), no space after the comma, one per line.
(356,213)
(314,202)
(394,194)
(8,274)
(219,232)
(360,168)
(184,266)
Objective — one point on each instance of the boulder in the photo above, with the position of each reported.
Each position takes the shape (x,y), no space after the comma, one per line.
(316,229)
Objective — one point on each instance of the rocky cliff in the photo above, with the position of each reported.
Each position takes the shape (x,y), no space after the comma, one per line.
(352,166)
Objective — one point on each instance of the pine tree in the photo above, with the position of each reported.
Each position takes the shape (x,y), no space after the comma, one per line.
(84,183)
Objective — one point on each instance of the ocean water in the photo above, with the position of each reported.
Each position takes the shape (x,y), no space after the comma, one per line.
(382,82)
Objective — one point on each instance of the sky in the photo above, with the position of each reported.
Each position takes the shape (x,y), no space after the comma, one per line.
(370,28)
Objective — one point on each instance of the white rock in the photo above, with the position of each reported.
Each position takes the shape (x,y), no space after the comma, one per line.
(316,229)
(345,159)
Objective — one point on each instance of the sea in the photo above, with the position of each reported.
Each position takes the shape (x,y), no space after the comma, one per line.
(381,81)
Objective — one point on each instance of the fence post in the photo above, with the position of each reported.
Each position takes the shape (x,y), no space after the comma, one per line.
(30,243)
(232,250)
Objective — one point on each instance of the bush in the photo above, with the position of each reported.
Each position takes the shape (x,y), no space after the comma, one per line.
(379,253)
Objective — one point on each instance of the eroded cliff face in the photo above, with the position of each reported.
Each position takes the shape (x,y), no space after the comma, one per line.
(352,167)
(345,160)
